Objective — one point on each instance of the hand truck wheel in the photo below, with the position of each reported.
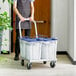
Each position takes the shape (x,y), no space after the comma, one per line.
(52,64)
(29,65)
(22,62)
(44,62)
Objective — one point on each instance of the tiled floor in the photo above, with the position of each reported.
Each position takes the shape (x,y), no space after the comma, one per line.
(9,67)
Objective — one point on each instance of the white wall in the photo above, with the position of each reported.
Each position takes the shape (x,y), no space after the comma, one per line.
(71,28)
(60,23)
(74,30)
(5,7)
(64,25)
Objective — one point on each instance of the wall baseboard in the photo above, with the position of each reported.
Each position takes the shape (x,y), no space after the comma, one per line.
(61,52)
(65,53)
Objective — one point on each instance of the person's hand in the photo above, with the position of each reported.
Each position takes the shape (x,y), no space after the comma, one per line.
(22,19)
(31,18)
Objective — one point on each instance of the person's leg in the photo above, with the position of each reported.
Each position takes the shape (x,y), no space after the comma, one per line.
(27,32)
(17,46)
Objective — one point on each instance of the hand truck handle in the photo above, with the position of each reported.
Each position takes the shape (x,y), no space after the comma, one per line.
(34,25)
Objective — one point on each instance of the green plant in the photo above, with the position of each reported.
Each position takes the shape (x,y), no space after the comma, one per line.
(5,24)
(5,21)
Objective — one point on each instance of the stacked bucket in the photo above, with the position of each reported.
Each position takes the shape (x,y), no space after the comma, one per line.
(38,48)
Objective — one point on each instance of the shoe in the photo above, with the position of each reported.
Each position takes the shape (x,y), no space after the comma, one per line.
(16,58)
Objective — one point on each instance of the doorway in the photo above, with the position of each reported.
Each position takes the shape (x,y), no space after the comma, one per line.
(43,18)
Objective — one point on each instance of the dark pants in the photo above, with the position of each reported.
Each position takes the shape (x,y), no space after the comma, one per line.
(17,46)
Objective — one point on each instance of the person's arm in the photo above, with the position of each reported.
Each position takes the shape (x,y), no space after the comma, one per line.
(17,12)
(32,11)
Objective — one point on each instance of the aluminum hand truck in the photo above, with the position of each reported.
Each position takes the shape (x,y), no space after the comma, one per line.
(37,49)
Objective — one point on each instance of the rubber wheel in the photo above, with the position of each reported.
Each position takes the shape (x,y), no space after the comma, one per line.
(29,65)
(22,62)
(52,64)
(44,62)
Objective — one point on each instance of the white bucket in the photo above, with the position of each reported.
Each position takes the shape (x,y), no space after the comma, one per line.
(30,50)
(48,50)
